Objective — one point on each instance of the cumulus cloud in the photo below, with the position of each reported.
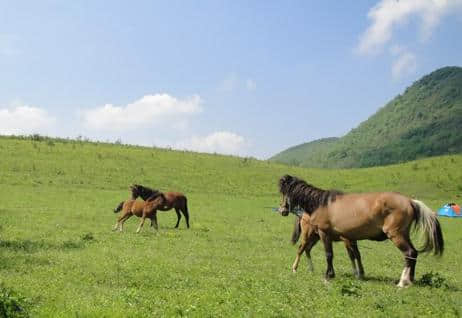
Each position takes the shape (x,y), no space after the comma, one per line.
(24,120)
(404,64)
(388,14)
(223,142)
(149,110)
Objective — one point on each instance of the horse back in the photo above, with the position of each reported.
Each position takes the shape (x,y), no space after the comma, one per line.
(175,197)
(365,215)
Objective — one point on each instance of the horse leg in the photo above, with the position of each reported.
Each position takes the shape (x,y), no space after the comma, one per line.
(185,212)
(352,256)
(327,241)
(143,218)
(314,238)
(178,215)
(301,248)
(127,216)
(359,264)
(355,258)
(120,221)
(116,226)
(410,256)
(154,220)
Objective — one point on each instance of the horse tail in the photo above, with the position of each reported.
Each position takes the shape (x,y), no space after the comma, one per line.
(119,207)
(427,221)
(297,230)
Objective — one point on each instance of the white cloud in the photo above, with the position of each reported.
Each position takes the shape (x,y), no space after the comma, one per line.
(404,64)
(23,120)
(223,142)
(149,110)
(251,85)
(388,14)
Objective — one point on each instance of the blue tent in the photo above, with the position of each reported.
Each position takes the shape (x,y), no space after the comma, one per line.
(450,210)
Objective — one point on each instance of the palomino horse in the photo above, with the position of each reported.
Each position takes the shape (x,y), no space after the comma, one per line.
(360,216)
(309,236)
(169,200)
(137,207)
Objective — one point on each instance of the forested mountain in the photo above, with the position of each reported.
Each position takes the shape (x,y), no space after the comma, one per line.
(424,121)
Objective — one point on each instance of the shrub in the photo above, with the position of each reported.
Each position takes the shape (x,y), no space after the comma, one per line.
(12,304)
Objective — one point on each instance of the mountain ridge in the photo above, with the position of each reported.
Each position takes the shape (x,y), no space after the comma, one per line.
(424,121)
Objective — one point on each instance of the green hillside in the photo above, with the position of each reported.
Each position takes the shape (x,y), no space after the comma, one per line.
(425,121)
(59,257)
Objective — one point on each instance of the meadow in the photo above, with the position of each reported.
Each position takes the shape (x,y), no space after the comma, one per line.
(59,257)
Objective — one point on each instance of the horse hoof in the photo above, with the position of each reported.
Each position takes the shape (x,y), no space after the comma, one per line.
(404,284)
(294,270)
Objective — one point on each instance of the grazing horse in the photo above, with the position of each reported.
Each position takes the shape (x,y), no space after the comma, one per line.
(169,200)
(137,207)
(309,236)
(359,216)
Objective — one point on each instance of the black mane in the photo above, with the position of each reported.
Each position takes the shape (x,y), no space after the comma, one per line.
(144,192)
(305,195)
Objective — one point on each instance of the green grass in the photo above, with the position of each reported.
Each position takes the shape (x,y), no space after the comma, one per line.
(58,253)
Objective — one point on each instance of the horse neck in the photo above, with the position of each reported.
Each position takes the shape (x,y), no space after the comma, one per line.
(147,193)
(312,198)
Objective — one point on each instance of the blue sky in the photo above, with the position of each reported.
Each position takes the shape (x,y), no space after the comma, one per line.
(249,78)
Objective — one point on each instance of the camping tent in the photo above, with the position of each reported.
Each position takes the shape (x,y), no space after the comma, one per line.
(451,210)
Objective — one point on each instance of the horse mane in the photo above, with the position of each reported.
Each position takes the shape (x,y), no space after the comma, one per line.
(147,194)
(305,195)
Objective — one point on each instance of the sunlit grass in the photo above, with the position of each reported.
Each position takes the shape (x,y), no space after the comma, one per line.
(58,251)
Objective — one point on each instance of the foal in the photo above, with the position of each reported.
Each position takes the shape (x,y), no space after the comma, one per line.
(139,208)
(309,236)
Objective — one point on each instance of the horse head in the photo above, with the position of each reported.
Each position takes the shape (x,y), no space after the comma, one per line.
(144,192)
(284,206)
(284,186)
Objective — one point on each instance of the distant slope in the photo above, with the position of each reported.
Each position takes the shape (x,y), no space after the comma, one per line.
(426,120)
(294,155)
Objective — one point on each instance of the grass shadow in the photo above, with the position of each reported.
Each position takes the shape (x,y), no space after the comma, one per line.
(29,246)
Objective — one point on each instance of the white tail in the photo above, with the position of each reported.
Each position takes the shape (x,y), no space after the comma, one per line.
(427,221)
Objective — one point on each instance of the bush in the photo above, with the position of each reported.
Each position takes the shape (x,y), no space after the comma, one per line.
(12,304)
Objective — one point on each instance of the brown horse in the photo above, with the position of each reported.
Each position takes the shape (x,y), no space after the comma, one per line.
(165,201)
(137,207)
(309,236)
(359,216)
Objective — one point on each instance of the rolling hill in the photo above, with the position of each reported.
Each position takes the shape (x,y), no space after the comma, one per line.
(59,257)
(424,121)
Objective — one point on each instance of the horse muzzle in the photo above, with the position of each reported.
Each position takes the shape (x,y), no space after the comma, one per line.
(283,211)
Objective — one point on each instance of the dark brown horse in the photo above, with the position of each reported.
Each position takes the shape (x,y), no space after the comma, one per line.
(164,201)
(360,216)
(310,237)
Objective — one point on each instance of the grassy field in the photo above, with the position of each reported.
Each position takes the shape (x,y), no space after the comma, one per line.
(59,257)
